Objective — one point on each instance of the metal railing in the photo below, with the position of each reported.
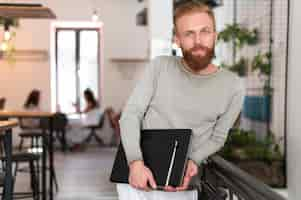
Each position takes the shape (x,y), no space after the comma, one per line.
(235,182)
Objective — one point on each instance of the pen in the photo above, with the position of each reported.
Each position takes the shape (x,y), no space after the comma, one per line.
(171,163)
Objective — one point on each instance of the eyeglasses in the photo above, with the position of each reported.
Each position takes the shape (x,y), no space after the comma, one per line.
(204,32)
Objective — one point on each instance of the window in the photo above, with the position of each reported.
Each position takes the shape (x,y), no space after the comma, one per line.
(77,66)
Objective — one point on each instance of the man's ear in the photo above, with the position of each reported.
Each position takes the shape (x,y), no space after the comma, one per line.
(216,37)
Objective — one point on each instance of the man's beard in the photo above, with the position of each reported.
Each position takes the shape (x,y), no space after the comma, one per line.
(197,62)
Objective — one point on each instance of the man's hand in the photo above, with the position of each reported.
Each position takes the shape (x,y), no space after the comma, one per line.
(140,176)
(191,170)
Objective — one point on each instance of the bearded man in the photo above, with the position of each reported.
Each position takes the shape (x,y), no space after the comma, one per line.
(178,93)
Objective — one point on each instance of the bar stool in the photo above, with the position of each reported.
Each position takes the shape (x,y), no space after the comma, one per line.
(33,162)
(59,127)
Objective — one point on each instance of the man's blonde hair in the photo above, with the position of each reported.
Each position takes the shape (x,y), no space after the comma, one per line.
(192,7)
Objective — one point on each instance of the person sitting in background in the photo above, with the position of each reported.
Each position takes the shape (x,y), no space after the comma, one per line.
(30,126)
(2,106)
(32,103)
(2,103)
(91,102)
(92,111)
(90,115)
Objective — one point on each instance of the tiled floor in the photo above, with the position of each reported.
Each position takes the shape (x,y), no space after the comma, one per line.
(81,175)
(84,175)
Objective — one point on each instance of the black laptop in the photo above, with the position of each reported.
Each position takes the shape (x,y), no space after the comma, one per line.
(164,151)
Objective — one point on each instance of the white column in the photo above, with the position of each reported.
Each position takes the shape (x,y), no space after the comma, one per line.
(160,15)
(294,103)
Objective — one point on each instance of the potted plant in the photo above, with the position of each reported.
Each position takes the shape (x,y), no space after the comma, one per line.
(262,159)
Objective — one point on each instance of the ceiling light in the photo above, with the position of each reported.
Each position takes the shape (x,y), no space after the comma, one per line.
(4,46)
(95,16)
(7,35)
(6,30)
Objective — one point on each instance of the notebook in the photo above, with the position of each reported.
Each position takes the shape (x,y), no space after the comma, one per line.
(164,151)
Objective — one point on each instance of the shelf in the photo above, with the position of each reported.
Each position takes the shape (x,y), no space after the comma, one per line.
(129,60)
(25,11)
(27,55)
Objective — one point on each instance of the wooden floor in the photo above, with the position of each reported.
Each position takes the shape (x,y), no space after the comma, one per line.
(81,175)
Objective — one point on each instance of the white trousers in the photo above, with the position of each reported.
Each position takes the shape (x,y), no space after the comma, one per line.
(127,192)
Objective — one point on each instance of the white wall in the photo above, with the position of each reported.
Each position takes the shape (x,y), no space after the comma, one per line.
(160,14)
(294,105)
(261,21)
(122,38)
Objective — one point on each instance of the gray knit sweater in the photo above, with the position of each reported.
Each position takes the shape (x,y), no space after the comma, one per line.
(169,96)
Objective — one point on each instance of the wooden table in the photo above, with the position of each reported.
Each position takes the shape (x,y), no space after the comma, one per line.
(6,127)
(39,115)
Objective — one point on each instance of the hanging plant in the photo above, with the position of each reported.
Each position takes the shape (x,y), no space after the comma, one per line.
(239,35)
(8,46)
(14,22)
(9,53)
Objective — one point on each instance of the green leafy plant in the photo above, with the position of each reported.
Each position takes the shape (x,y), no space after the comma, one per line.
(11,21)
(239,35)
(240,67)
(243,145)
(262,62)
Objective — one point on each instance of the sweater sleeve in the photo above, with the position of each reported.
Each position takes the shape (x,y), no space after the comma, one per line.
(134,111)
(220,131)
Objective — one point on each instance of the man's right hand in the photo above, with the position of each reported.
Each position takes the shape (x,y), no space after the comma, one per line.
(140,176)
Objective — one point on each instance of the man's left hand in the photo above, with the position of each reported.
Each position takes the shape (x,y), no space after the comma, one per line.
(191,170)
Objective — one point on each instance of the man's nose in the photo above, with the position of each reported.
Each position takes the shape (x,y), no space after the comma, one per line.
(198,38)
